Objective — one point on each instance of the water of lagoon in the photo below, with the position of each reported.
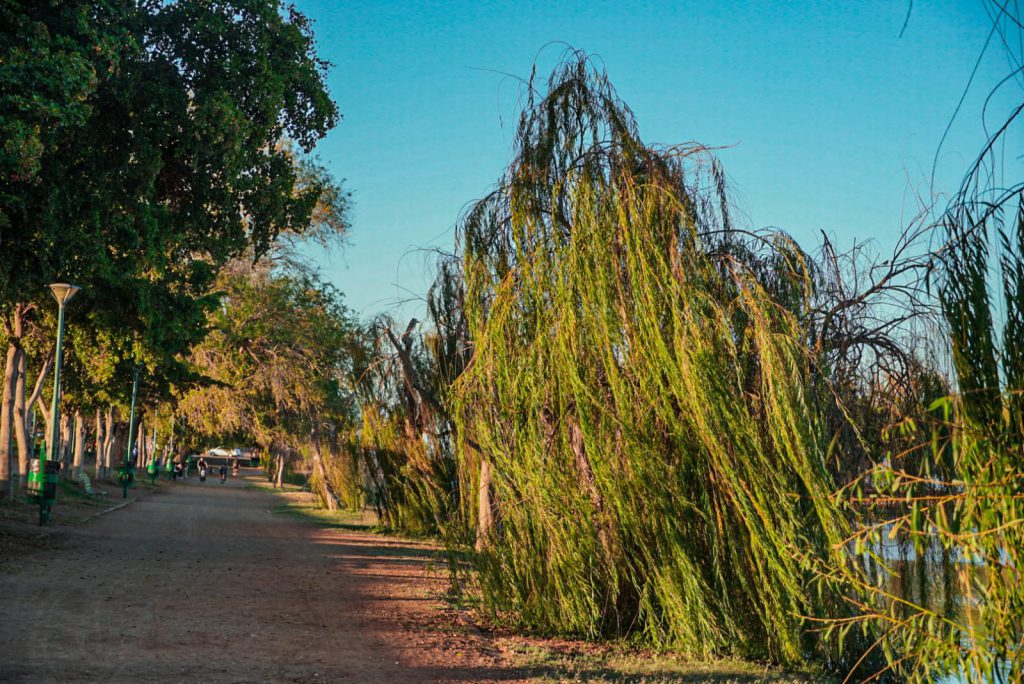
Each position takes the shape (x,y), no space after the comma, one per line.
(902,558)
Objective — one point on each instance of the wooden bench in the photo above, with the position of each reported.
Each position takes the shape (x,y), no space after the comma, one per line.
(87,485)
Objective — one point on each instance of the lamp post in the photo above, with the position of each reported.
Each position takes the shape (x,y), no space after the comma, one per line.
(42,479)
(126,473)
(153,460)
(169,465)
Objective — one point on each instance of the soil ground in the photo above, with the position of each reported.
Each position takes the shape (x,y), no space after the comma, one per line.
(208,582)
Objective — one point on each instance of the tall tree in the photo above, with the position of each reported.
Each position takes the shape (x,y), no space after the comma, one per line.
(53,56)
(166,161)
(640,394)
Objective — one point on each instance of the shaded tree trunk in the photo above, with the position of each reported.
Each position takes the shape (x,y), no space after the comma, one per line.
(279,474)
(79,452)
(140,444)
(7,410)
(47,425)
(108,441)
(24,418)
(118,444)
(18,471)
(100,469)
(65,444)
(14,327)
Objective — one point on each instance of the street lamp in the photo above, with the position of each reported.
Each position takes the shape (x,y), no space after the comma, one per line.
(126,473)
(42,480)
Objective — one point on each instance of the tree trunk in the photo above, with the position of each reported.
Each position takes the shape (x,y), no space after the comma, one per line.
(108,441)
(118,444)
(170,441)
(140,444)
(318,467)
(7,410)
(14,327)
(279,476)
(79,454)
(100,471)
(589,483)
(21,439)
(47,426)
(25,414)
(485,512)
(66,444)
(33,426)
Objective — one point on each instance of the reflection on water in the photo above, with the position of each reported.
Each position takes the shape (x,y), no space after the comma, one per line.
(931,577)
(962,678)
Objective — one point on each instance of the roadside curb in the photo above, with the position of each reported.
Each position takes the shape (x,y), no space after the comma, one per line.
(109,510)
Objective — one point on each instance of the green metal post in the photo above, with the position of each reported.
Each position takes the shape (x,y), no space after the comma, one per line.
(131,434)
(170,451)
(55,405)
(42,477)
(45,505)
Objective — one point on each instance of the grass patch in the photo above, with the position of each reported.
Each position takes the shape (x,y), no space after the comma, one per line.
(73,505)
(71,490)
(558,661)
(298,504)
(299,479)
(359,521)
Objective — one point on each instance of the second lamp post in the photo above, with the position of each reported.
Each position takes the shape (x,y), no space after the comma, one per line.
(42,477)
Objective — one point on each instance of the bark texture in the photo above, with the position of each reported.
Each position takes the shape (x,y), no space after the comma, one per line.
(485,508)
(7,412)
(79,452)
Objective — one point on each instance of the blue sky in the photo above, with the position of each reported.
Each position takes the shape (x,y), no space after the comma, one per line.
(830,120)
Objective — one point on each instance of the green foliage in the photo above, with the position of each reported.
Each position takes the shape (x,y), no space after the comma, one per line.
(159,154)
(959,513)
(641,386)
(404,440)
(407,493)
(52,56)
(277,354)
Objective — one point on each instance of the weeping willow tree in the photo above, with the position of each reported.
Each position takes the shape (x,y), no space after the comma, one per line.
(637,427)
(405,436)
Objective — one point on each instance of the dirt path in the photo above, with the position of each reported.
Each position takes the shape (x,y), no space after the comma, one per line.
(200,582)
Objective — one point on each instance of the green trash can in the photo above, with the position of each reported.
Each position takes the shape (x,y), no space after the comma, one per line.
(125,478)
(42,479)
(152,471)
(42,485)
